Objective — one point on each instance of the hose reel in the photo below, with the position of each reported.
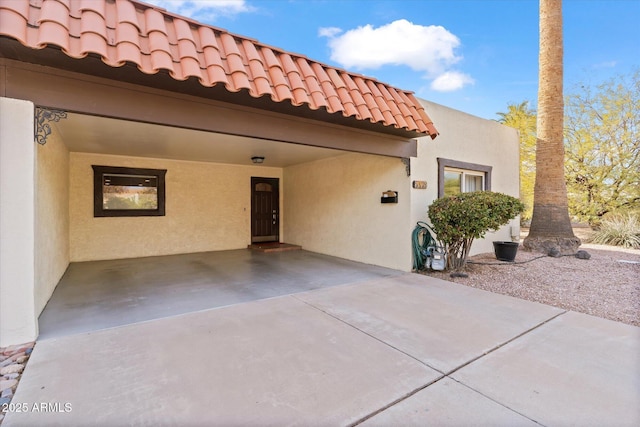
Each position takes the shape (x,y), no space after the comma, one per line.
(428,252)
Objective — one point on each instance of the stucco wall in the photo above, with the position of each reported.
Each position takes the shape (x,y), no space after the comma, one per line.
(52,217)
(208,208)
(333,207)
(470,139)
(18,321)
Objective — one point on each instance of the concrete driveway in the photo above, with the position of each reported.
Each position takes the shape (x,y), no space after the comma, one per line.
(399,350)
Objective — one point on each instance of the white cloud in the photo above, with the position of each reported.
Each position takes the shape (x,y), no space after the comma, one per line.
(427,49)
(450,81)
(203,9)
(329,31)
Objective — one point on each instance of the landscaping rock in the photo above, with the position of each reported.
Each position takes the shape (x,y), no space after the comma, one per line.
(11,369)
(582,254)
(7,393)
(5,384)
(555,252)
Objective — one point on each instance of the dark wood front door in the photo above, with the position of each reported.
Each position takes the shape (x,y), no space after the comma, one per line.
(265,210)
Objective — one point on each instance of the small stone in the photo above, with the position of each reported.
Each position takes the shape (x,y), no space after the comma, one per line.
(17,355)
(554,252)
(22,359)
(7,393)
(18,348)
(5,384)
(11,369)
(581,254)
(4,400)
(28,351)
(11,376)
(6,362)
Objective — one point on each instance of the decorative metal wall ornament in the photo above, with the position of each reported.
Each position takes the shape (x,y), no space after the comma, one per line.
(407,164)
(42,120)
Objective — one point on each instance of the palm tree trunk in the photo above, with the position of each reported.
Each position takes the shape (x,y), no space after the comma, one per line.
(550,225)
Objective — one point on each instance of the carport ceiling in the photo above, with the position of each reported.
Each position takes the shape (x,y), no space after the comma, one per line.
(91,134)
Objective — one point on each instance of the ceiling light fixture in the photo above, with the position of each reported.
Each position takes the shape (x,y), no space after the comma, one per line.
(257,159)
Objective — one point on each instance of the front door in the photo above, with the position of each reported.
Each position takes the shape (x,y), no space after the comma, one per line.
(265,210)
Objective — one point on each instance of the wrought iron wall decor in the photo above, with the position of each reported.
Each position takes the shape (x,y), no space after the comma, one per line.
(42,120)
(407,165)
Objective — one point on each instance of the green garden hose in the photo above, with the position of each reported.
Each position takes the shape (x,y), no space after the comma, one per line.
(421,239)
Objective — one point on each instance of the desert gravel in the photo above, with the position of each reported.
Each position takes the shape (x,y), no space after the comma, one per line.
(607,285)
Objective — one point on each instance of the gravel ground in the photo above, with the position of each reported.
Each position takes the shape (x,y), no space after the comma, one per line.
(602,286)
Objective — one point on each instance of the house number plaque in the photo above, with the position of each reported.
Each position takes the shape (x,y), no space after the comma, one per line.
(420,185)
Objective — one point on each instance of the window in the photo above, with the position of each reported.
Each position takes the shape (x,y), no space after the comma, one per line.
(460,177)
(462,181)
(121,191)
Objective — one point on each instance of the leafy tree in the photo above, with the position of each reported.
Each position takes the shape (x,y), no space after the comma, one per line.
(602,143)
(522,118)
(461,218)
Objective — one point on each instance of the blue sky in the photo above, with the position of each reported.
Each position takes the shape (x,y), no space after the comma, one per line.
(477,56)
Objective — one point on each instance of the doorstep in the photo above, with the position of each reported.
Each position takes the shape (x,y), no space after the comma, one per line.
(273,247)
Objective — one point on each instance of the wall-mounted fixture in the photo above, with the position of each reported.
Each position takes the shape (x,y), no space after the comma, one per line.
(257,159)
(389,197)
(420,185)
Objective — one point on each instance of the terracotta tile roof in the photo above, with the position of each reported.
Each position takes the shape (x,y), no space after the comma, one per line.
(122,31)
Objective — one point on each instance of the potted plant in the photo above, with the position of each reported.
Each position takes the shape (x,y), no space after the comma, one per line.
(461,218)
(505,251)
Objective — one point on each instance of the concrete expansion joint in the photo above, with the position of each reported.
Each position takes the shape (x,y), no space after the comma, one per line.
(499,346)
(367,334)
(444,375)
(493,400)
(395,402)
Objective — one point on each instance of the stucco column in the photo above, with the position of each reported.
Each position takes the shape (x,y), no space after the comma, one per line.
(18,321)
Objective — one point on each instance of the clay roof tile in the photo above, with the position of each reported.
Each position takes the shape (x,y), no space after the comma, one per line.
(95,6)
(125,11)
(14,18)
(207,38)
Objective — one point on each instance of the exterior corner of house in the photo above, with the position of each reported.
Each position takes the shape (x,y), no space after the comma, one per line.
(18,320)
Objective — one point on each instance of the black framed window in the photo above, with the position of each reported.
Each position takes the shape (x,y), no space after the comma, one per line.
(120,191)
(461,177)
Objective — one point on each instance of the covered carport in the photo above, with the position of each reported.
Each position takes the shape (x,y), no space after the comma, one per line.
(159,92)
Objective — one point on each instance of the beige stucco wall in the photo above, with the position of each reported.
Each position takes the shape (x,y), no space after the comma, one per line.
(470,139)
(333,207)
(52,217)
(18,320)
(208,208)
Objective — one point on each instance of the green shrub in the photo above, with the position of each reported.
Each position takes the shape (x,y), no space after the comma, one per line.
(460,218)
(619,230)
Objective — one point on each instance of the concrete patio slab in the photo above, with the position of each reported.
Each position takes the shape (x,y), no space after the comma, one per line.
(103,294)
(574,370)
(442,324)
(448,403)
(271,362)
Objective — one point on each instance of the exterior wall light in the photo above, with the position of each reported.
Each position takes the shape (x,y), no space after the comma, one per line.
(257,159)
